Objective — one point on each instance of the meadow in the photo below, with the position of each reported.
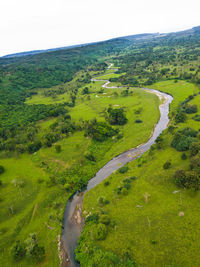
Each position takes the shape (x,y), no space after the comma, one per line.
(154,223)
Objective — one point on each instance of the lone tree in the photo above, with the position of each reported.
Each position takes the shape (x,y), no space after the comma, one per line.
(116,116)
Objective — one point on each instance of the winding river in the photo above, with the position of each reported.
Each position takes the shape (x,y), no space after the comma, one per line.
(73,223)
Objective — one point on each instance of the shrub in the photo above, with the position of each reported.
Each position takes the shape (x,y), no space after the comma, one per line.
(124,191)
(104,219)
(38,253)
(180,117)
(167,165)
(138,121)
(18,251)
(33,249)
(192,180)
(85,91)
(195,164)
(187,179)
(33,147)
(89,156)
(58,148)
(100,232)
(190,109)
(196,117)
(123,169)
(93,218)
(2,170)
(183,156)
(180,178)
(106,183)
(194,148)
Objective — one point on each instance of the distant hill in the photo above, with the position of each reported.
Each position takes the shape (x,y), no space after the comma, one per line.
(131,38)
(34,52)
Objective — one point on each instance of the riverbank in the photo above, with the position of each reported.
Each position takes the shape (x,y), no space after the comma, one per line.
(71,231)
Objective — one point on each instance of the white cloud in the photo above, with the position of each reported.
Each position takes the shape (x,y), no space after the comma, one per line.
(38,24)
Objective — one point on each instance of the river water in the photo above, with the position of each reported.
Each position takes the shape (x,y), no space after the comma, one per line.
(72,225)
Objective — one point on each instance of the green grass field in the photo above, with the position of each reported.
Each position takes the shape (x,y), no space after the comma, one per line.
(156,223)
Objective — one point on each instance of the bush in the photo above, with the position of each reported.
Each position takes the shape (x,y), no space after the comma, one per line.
(180,117)
(124,191)
(187,179)
(33,249)
(195,164)
(194,148)
(89,156)
(2,170)
(180,178)
(190,109)
(18,251)
(183,156)
(33,147)
(106,183)
(38,253)
(100,232)
(104,219)
(58,148)
(123,169)
(167,165)
(93,218)
(138,121)
(196,117)
(102,201)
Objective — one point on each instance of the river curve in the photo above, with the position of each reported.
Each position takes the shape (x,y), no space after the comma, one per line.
(72,222)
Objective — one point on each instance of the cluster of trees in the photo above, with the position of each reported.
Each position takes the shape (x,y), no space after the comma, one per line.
(20,76)
(116,116)
(99,131)
(29,248)
(169,57)
(26,138)
(190,178)
(185,108)
(184,138)
(187,139)
(125,186)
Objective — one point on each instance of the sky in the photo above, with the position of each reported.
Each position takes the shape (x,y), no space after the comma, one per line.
(41,24)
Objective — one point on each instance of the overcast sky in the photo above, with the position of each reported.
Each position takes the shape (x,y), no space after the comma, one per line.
(39,24)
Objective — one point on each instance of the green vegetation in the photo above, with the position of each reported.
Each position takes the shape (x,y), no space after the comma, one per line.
(57,129)
(46,161)
(165,176)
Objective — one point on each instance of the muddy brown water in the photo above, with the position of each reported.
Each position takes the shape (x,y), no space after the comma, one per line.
(72,226)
